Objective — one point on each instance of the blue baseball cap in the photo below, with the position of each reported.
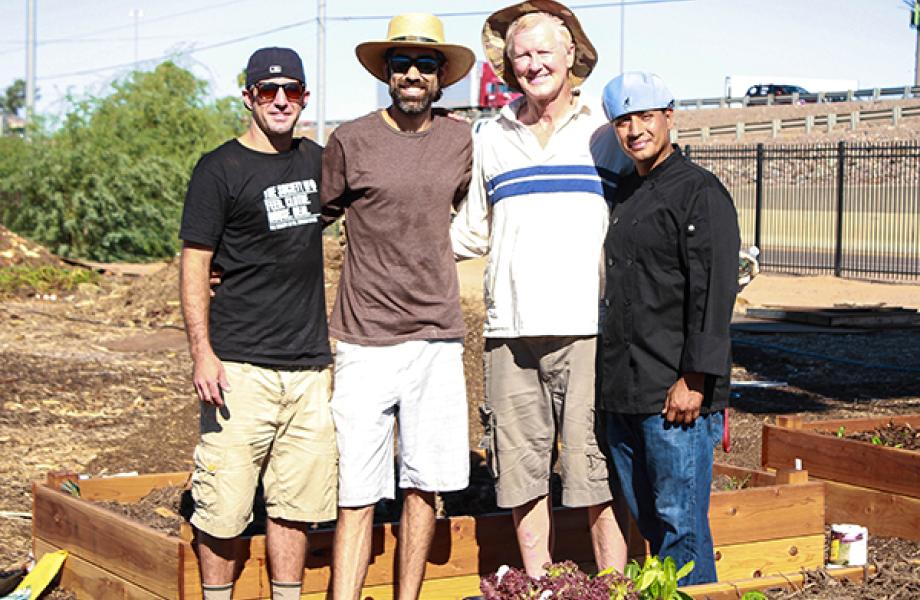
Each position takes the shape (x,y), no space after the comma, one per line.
(636,91)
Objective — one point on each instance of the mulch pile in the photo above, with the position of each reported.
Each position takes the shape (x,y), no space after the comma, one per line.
(16,250)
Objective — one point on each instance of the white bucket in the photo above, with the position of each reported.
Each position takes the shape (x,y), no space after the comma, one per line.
(849,545)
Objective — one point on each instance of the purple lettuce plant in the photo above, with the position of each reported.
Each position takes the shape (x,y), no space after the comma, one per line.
(563,581)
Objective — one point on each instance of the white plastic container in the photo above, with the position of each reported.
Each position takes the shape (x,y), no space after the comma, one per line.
(849,545)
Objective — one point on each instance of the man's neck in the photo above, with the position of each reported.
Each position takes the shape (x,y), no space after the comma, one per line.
(256,139)
(402,121)
(547,112)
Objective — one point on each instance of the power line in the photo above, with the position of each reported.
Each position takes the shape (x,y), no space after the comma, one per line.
(169,55)
(479,13)
(308,22)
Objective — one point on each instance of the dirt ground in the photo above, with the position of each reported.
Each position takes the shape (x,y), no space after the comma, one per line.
(97,382)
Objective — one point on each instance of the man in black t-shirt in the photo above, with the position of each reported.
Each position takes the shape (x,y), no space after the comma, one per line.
(260,346)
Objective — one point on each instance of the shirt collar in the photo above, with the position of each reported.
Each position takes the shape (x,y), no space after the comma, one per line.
(675,157)
(583,106)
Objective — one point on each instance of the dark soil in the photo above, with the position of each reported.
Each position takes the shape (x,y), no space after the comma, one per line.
(891,436)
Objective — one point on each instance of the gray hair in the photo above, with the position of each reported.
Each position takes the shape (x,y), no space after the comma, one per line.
(531,20)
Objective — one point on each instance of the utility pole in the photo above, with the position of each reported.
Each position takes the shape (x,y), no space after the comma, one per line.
(321,72)
(30,59)
(622,35)
(137,14)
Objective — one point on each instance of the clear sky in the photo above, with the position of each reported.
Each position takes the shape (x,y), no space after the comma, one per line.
(692,44)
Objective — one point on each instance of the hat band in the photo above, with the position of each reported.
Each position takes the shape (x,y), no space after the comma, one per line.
(414,38)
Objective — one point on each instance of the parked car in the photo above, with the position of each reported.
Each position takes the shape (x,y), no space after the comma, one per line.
(761,91)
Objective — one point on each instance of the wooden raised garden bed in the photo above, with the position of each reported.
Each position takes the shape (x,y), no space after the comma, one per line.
(871,485)
(776,525)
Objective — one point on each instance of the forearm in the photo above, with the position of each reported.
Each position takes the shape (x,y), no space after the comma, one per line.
(195,268)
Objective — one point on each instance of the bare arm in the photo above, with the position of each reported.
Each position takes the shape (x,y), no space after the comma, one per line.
(208,373)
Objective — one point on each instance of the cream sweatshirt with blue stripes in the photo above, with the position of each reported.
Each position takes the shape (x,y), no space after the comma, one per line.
(540,214)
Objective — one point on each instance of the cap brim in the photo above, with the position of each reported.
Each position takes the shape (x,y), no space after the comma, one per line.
(460,59)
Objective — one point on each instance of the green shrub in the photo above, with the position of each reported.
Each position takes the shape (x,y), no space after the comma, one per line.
(109,183)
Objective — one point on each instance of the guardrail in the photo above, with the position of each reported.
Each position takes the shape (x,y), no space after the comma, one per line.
(871,94)
(807,124)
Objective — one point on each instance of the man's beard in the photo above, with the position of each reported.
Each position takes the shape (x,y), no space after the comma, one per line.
(414,106)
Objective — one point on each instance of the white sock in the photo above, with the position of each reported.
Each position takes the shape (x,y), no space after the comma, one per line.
(217,592)
(282,590)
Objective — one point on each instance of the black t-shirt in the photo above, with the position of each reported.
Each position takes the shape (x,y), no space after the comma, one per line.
(260,214)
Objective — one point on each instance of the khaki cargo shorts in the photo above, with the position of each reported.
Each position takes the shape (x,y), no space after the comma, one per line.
(277,425)
(538,388)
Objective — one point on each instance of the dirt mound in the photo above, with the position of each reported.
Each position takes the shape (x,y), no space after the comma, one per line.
(17,250)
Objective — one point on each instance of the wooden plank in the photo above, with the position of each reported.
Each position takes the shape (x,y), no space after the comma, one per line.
(732,590)
(90,582)
(755,477)
(767,513)
(126,548)
(884,513)
(755,559)
(128,489)
(450,588)
(857,425)
(847,461)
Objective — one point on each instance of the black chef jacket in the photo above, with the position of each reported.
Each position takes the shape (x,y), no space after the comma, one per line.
(671,257)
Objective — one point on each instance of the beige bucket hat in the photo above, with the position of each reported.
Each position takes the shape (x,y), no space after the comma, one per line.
(493,40)
(416,30)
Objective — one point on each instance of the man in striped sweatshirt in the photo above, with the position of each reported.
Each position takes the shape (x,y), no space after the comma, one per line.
(543,170)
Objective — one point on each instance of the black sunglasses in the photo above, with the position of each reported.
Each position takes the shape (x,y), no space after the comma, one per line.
(266,91)
(426,65)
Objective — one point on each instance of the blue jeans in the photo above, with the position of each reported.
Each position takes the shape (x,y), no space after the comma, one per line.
(665,475)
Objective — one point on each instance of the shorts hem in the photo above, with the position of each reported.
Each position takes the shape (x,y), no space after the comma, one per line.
(449,487)
(301,516)
(521,497)
(583,498)
(365,501)
(221,532)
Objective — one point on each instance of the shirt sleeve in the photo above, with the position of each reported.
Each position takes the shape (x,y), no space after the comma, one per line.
(710,240)
(333,185)
(205,209)
(470,228)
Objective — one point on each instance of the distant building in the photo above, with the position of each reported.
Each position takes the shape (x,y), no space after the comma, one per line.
(11,124)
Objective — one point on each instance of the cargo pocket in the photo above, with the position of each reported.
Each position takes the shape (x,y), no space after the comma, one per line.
(597,464)
(204,480)
(487,442)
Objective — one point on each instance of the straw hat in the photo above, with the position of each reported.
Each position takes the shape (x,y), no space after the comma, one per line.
(416,30)
(493,40)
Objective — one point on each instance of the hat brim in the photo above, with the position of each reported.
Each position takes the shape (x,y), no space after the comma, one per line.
(460,59)
(496,27)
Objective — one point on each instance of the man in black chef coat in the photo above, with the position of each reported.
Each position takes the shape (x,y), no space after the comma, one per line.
(671,256)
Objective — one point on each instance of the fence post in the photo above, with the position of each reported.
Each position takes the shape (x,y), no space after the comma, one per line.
(831,121)
(838,238)
(896,115)
(758,198)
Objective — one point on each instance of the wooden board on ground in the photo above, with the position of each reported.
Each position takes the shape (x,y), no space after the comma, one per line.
(873,316)
(767,528)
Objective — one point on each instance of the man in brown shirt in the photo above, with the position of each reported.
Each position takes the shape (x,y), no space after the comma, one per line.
(397,320)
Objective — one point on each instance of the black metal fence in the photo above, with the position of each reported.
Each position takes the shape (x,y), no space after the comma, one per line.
(850,210)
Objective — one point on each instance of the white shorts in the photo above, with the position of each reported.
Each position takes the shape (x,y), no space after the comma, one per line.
(418,384)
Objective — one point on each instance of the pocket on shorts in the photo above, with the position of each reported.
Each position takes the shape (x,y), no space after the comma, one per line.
(204,477)
(597,468)
(487,443)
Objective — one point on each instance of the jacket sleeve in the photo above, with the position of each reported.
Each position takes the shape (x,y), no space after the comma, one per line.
(471,227)
(710,240)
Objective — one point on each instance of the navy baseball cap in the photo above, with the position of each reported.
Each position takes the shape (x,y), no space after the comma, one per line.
(266,63)
(635,91)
